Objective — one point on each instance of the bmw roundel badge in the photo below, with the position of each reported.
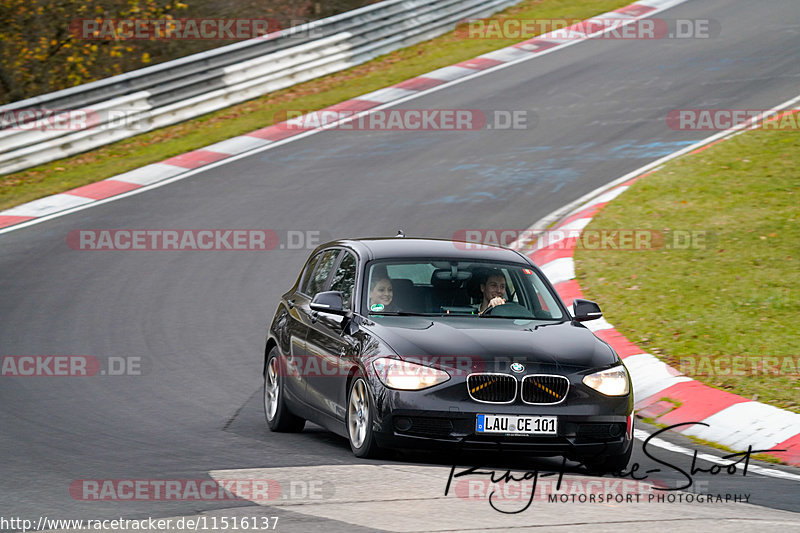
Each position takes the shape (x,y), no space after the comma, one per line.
(517,367)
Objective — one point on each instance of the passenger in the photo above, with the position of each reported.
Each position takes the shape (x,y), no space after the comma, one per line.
(381,292)
(493,291)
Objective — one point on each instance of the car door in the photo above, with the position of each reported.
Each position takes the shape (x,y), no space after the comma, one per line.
(331,350)
(315,279)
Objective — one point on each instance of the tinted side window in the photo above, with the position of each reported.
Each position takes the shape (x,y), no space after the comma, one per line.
(344,279)
(319,273)
(312,263)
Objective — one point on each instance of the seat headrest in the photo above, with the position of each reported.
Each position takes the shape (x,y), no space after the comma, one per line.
(400,284)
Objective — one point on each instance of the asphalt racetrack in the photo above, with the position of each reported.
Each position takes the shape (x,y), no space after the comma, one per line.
(197,319)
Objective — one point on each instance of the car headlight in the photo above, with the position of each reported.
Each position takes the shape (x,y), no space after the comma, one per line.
(611,382)
(397,374)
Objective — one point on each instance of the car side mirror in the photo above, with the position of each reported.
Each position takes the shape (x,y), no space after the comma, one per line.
(329,302)
(583,310)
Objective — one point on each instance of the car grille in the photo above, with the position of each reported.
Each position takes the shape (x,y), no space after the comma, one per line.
(543,389)
(492,388)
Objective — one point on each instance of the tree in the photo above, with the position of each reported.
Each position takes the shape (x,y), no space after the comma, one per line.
(42,50)
(44,45)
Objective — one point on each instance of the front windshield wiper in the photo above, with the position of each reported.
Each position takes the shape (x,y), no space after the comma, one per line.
(400,313)
(511,317)
(553,320)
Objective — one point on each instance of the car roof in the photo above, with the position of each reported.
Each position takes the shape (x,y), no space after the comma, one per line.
(410,247)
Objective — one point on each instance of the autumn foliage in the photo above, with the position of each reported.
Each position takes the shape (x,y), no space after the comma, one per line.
(40,52)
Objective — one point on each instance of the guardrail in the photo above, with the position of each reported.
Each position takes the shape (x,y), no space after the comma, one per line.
(131,104)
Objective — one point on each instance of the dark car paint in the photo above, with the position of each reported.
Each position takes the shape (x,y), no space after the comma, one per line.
(564,343)
(567,348)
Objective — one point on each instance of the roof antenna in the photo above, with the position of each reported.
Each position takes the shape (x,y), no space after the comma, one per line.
(400,234)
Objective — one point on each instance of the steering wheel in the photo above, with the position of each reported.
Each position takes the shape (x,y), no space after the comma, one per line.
(508,309)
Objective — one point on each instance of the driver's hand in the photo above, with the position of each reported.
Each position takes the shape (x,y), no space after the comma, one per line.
(494,302)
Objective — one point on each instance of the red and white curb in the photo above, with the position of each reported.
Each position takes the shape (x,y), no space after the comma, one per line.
(187,164)
(732,420)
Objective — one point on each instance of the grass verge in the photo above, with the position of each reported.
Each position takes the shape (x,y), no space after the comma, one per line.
(722,307)
(151,147)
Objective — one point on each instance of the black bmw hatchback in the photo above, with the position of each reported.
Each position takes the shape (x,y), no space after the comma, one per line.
(406,343)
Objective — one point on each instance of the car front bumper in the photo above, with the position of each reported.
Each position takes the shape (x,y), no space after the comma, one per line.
(588,424)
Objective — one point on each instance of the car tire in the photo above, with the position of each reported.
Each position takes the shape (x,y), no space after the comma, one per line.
(610,464)
(276,412)
(358,420)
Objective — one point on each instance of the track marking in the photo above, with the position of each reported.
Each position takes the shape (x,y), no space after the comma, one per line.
(661,443)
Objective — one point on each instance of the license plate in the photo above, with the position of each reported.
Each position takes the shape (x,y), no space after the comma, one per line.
(516,425)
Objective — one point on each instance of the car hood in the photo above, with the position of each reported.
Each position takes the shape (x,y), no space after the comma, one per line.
(492,344)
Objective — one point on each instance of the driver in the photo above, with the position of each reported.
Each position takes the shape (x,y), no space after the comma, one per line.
(493,290)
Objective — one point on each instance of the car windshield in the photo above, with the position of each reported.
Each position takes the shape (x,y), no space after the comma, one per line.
(467,288)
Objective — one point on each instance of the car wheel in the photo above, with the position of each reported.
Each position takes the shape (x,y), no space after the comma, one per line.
(277,413)
(359,420)
(610,464)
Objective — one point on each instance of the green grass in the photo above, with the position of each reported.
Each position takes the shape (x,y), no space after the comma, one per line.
(155,146)
(735,293)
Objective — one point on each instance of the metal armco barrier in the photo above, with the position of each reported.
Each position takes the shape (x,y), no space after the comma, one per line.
(119,107)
